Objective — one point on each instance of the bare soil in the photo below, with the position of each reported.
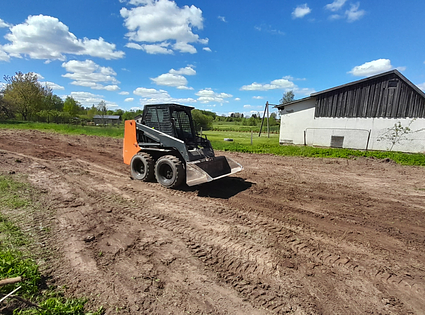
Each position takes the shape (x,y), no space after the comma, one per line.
(286,235)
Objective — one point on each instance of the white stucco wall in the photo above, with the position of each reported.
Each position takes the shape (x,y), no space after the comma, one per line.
(298,125)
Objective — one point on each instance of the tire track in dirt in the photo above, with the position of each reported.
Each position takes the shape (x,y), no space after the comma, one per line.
(247,270)
(238,259)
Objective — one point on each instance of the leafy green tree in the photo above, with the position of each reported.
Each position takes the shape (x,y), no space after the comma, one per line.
(287,97)
(91,112)
(201,120)
(71,106)
(6,111)
(25,94)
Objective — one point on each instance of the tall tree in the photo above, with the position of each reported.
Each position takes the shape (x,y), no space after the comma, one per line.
(25,94)
(71,106)
(6,110)
(102,109)
(287,97)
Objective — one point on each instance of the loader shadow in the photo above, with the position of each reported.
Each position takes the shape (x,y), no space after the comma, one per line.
(224,188)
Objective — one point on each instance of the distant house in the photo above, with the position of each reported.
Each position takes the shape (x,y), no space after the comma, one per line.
(358,115)
(107,119)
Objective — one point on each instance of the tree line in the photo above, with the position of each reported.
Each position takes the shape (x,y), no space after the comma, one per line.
(23,97)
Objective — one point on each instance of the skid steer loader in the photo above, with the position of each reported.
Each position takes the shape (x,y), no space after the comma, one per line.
(163,144)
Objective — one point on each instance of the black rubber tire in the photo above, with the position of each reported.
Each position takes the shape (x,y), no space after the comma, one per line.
(142,167)
(169,171)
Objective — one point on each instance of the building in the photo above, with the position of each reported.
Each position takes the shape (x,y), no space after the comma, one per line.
(365,115)
(107,119)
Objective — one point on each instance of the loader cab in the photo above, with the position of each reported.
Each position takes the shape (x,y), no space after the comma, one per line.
(172,119)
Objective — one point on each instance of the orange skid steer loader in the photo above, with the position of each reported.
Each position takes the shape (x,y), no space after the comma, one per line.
(163,144)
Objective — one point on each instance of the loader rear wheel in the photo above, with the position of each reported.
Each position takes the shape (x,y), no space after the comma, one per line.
(169,171)
(142,166)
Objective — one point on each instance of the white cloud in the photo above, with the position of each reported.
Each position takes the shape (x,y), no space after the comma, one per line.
(3,24)
(354,13)
(283,83)
(88,99)
(153,96)
(53,86)
(129,99)
(175,78)
(336,5)
(45,37)
(3,55)
(152,49)
(237,99)
(421,86)
(169,79)
(89,74)
(160,21)
(184,71)
(208,95)
(222,18)
(257,97)
(371,68)
(301,11)
(207,49)
(123,93)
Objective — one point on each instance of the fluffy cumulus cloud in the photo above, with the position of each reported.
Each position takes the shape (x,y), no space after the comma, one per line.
(301,11)
(153,96)
(89,74)
(129,99)
(208,95)
(88,99)
(371,68)
(283,83)
(175,78)
(162,27)
(45,37)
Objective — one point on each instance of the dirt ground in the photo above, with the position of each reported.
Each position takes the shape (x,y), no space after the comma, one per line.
(286,235)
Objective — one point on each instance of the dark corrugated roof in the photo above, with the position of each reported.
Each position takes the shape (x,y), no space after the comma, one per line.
(396,72)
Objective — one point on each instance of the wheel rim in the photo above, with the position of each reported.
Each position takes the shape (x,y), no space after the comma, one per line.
(166,172)
(139,167)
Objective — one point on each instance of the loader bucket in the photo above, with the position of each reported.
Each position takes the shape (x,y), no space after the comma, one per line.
(207,171)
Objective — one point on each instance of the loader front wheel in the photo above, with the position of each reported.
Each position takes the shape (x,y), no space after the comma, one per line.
(142,167)
(169,171)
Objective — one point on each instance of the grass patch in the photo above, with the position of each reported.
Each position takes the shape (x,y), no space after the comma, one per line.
(16,259)
(264,145)
(241,143)
(102,131)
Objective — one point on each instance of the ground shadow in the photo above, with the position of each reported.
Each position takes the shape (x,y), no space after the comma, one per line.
(223,188)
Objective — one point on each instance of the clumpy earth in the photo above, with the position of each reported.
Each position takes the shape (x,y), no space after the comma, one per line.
(287,235)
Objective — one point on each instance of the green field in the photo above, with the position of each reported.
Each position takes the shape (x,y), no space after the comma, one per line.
(241,142)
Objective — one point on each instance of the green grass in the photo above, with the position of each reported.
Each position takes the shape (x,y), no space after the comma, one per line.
(103,131)
(241,143)
(264,145)
(236,126)
(16,258)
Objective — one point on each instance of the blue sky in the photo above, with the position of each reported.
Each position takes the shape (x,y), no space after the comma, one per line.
(223,56)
